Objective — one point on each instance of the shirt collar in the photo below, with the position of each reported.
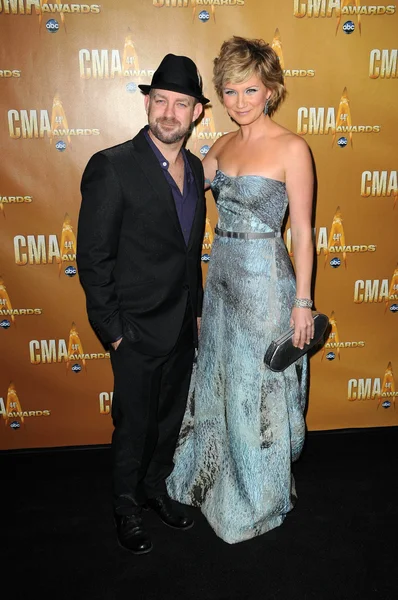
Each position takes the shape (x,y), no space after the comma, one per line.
(163,162)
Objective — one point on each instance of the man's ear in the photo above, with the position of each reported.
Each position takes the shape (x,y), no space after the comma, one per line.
(147,99)
(197,111)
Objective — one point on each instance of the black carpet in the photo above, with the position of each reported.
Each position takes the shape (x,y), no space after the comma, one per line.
(340,541)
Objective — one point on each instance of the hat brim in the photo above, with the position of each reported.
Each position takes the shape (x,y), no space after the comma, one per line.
(172,88)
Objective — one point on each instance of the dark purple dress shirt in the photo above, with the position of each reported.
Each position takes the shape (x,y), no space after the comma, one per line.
(186,202)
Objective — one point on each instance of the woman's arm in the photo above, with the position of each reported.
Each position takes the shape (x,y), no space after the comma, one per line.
(300,189)
(210,165)
(211,160)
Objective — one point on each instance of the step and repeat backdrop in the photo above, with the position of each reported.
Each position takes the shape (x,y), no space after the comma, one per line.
(69,76)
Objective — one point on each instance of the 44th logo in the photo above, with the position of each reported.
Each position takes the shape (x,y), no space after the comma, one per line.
(339,9)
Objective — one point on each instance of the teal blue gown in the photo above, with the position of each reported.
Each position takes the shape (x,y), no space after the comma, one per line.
(244,424)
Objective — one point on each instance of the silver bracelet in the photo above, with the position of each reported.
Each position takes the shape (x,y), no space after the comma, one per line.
(303,303)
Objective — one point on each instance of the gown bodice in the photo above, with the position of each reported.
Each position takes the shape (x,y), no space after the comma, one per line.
(249,202)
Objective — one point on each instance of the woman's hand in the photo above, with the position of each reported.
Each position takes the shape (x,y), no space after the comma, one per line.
(303,323)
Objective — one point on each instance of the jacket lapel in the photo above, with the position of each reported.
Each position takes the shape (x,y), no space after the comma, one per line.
(199,204)
(150,166)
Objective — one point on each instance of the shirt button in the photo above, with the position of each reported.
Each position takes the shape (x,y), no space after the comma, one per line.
(164,164)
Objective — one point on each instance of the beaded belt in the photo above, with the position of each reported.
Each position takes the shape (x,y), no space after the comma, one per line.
(254,235)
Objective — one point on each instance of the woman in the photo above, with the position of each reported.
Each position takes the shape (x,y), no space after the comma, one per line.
(244,424)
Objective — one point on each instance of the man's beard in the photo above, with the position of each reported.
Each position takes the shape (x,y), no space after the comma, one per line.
(165,136)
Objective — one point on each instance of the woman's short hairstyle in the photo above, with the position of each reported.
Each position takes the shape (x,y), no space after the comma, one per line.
(240,58)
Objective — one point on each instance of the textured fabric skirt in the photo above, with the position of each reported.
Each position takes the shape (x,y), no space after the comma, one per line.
(244,425)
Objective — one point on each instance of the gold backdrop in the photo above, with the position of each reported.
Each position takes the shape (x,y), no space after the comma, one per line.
(69,76)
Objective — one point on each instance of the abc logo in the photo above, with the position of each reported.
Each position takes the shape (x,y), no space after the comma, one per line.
(52,26)
(61,146)
(393,308)
(15,425)
(330,356)
(76,368)
(131,87)
(70,271)
(348,27)
(5,324)
(205,258)
(386,404)
(204,16)
(204,149)
(335,262)
(342,142)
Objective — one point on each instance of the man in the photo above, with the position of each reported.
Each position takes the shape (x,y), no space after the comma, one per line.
(140,233)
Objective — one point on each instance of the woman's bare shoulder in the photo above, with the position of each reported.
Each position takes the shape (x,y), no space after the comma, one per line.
(222,141)
(290,140)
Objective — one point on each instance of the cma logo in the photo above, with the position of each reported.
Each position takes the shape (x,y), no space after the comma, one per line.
(108,64)
(42,249)
(337,8)
(364,389)
(36,123)
(383,64)
(375,291)
(322,121)
(57,351)
(47,351)
(29,124)
(24,7)
(379,183)
(372,389)
(36,250)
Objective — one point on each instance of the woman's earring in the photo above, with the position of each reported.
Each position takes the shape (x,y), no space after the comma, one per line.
(266,107)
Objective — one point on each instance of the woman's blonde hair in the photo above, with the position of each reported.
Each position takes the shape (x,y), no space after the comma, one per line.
(240,58)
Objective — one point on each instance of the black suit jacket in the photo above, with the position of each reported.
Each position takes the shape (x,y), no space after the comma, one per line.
(134,265)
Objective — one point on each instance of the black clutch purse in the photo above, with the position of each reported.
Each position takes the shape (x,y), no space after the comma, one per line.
(281,353)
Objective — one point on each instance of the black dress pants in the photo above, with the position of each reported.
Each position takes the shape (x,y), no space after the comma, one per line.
(149,400)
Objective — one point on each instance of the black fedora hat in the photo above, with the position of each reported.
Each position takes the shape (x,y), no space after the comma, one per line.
(177,74)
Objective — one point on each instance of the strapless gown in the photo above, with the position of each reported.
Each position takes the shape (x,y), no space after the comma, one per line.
(244,424)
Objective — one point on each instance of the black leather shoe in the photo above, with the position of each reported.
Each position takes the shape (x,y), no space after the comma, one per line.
(132,534)
(171,514)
